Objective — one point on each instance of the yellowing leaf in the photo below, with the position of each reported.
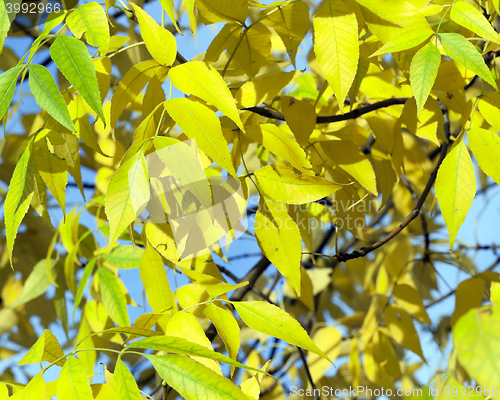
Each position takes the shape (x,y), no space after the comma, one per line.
(17,201)
(38,281)
(46,348)
(90,18)
(464,53)
(279,239)
(489,105)
(127,195)
(227,328)
(125,257)
(131,85)
(291,23)
(468,295)
(8,81)
(159,41)
(300,117)
(124,384)
(113,297)
(475,336)
(34,390)
(212,11)
(485,146)
(455,188)
(72,383)
(423,71)
(469,17)
(155,281)
(202,124)
(402,330)
(347,155)
(205,82)
(179,345)
(221,288)
(336,45)
(271,320)
(169,7)
(277,141)
(406,40)
(283,184)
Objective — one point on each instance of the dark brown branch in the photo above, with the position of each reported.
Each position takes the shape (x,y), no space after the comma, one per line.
(334,118)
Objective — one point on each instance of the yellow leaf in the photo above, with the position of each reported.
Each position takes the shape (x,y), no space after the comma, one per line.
(402,330)
(489,105)
(159,41)
(46,348)
(205,82)
(469,295)
(279,239)
(155,281)
(485,146)
(72,383)
(408,298)
(291,23)
(202,124)
(347,156)
(406,40)
(336,45)
(227,328)
(455,188)
(124,385)
(185,325)
(300,117)
(330,339)
(283,184)
(212,11)
(277,141)
(131,85)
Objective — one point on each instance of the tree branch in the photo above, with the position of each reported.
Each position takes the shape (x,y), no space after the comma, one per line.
(333,118)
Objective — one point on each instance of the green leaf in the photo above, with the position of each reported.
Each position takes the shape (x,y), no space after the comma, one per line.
(455,188)
(227,328)
(469,17)
(278,236)
(73,60)
(283,184)
(202,124)
(72,383)
(486,148)
(155,280)
(423,72)
(90,18)
(407,40)
(159,41)
(125,257)
(203,81)
(113,297)
(271,320)
(124,384)
(37,283)
(336,45)
(178,345)
(47,95)
(194,381)
(476,336)
(464,53)
(127,195)
(8,81)
(18,199)
(46,348)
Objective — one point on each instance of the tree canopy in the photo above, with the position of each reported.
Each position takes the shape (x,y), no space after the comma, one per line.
(234,199)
